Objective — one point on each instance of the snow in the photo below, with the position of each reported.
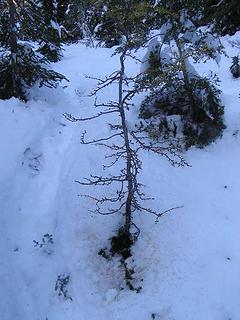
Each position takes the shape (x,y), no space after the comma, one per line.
(153,47)
(189,261)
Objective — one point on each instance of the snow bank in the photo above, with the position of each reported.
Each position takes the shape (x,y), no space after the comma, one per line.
(189,261)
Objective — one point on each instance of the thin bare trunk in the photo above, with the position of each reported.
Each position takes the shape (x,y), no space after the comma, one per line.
(128,209)
(192,104)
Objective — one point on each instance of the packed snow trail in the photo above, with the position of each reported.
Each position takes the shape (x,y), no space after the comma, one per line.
(189,261)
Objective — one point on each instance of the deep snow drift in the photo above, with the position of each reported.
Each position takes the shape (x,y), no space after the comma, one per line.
(189,261)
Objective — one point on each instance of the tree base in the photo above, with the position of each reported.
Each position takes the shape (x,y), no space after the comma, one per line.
(121,245)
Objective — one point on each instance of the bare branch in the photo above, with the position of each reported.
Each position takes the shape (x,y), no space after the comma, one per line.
(94,141)
(71,118)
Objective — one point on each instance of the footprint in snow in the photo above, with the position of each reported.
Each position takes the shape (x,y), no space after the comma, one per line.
(32,160)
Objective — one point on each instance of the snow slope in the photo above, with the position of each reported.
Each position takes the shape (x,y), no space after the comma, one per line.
(189,261)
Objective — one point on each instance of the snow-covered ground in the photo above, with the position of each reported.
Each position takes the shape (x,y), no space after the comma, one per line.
(190,260)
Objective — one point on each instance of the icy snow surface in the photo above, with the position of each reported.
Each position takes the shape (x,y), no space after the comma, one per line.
(190,260)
